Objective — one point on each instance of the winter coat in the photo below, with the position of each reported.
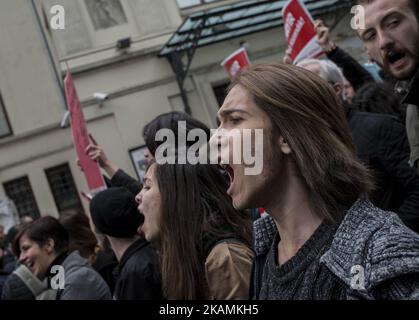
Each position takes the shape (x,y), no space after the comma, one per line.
(228,270)
(382,145)
(138,273)
(369,239)
(82,282)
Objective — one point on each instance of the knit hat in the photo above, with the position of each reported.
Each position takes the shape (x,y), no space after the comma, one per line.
(114,213)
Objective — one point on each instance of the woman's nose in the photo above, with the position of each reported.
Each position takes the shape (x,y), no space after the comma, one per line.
(138,198)
(22,257)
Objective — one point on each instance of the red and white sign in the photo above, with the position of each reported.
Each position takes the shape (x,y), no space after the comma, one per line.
(299,32)
(91,170)
(236,62)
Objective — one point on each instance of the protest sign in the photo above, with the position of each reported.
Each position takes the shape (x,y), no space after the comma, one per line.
(81,140)
(299,32)
(236,62)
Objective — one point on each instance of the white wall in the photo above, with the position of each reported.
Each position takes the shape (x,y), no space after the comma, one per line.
(141,86)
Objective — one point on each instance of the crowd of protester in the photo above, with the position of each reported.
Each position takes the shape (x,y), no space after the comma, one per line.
(339,185)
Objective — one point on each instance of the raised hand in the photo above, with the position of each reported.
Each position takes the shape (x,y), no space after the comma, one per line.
(323,35)
(96,153)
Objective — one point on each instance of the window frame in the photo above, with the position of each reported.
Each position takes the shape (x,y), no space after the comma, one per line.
(54,196)
(36,214)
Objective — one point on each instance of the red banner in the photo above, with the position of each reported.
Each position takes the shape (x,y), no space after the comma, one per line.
(299,32)
(80,135)
(236,62)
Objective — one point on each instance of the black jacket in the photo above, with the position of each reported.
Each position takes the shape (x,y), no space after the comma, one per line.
(138,275)
(356,74)
(105,264)
(409,90)
(382,145)
(122,179)
(7,263)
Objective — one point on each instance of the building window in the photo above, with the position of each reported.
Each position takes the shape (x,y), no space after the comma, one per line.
(20,192)
(4,122)
(106,13)
(191,3)
(220,92)
(63,188)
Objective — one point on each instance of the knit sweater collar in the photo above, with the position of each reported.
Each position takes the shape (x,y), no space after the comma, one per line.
(368,237)
(304,256)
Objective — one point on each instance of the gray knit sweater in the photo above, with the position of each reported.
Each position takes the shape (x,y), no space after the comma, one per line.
(372,255)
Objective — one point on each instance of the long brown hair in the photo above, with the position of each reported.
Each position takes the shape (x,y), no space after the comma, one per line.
(195,207)
(307,113)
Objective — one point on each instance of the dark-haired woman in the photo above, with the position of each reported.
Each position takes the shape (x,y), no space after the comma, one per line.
(203,241)
(42,247)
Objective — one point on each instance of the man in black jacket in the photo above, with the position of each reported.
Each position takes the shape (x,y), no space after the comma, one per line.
(391,36)
(114,213)
(382,146)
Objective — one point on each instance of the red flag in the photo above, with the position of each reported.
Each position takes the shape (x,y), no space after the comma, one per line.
(299,32)
(236,62)
(90,168)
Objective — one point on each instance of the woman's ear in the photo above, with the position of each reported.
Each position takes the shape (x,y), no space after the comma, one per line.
(338,89)
(283,144)
(50,246)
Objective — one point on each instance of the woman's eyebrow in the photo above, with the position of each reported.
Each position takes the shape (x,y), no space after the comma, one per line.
(225,113)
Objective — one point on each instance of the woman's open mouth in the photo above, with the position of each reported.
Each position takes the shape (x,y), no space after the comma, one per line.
(229,170)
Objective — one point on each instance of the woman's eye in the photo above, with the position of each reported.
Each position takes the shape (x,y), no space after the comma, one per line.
(236,120)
